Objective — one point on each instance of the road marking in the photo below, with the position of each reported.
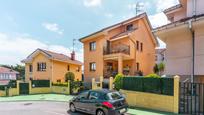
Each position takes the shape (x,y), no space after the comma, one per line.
(55,113)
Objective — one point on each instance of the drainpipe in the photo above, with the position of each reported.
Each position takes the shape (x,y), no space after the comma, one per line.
(193,50)
(194,7)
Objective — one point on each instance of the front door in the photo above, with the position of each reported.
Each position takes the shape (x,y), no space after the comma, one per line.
(23,88)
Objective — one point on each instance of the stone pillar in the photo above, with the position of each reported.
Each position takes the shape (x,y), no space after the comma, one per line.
(176,94)
(101,82)
(120,65)
(93,83)
(111,83)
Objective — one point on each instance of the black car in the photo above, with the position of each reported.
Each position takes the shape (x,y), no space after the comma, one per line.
(99,102)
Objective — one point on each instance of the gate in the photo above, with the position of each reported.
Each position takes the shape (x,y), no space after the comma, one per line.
(23,88)
(191,98)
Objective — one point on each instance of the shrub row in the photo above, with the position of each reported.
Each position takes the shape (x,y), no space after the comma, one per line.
(60,84)
(40,83)
(151,85)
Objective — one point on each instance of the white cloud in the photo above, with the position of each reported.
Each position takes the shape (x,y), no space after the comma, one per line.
(13,49)
(162,5)
(158,19)
(92,3)
(53,27)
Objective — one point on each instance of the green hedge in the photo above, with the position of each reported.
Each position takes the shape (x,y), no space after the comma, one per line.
(60,84)
(150,85)
(2,87)
(13,84)
(40,83)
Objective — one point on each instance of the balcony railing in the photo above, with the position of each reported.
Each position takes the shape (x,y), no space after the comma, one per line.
(125,49)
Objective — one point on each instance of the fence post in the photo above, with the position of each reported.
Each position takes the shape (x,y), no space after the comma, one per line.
(30,87)
(111,83)
(101,82)
(176,94)
(68,85)
(93,83)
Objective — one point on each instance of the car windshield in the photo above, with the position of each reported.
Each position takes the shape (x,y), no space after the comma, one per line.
(113,96)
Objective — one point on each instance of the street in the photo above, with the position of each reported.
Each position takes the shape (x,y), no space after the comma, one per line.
(35,108)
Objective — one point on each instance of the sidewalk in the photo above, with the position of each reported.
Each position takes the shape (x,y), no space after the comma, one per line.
(39,97)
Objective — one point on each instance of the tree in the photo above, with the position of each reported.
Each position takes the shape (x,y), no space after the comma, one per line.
(118,81)
(156,69)
(69,76)
(161,68)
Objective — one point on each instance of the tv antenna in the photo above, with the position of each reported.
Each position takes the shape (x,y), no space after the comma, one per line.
(73,43)
(138,8)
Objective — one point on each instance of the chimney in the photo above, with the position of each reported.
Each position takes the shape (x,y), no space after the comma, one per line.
(73,55)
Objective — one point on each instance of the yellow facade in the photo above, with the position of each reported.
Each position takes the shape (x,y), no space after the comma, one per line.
(55,69)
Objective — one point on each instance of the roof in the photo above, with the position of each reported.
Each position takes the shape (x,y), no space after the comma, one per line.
(172,8)
(122,34)
(120,23)
(7,70)
(181,21)
(53,56)
(143,15)
(4,82)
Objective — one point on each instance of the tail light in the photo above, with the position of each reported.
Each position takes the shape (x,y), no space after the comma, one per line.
(107,104)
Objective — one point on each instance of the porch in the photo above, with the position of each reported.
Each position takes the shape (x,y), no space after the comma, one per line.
(118,63)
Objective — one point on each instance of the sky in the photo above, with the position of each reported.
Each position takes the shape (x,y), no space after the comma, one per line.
(26,25)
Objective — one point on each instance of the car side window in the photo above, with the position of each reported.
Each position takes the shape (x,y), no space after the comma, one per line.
(94,95)
(83,95)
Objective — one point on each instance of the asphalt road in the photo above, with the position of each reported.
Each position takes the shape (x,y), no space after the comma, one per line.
(35,108)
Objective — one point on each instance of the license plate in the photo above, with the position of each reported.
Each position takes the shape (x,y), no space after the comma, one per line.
(122,110)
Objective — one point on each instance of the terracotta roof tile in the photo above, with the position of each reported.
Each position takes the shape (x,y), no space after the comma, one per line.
(7,70)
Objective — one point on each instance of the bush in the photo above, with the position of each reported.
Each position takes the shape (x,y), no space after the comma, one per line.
(60,84)
(118,81)
(2,87)
(40,83)
(152,76)
(69,76)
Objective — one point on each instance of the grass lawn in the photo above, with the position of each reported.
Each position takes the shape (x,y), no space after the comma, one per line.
(66,98)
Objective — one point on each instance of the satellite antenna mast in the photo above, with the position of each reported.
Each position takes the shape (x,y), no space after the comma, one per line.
(138,8)
(73,43)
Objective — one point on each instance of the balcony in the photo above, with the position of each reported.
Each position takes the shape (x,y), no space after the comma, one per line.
(122,48)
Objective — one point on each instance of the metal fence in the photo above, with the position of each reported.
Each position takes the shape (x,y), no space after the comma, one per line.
(163,86)
(191,98)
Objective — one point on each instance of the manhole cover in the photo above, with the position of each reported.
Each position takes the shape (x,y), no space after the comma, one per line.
(28,104)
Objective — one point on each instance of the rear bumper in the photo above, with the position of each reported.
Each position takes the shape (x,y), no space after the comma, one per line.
(117,111)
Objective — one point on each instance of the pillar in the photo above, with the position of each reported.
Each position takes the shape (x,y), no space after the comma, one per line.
(176,94)
(120,65)
(93,83)
(111,83)
(101,82)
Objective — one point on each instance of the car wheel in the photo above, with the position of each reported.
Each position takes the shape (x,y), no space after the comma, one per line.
(72,108)
(100,112)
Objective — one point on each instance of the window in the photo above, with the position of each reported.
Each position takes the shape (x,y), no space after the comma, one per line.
(68,68)
(138,66)
(137,45)
(30,68)
(92,46)
(41,66)
(59,81)
(78,69)
(94,95)
(129,27)
(93,66)
(141,47)
(83,95)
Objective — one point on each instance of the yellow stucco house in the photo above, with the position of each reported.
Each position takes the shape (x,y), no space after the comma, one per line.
(47,65)
(127,47)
